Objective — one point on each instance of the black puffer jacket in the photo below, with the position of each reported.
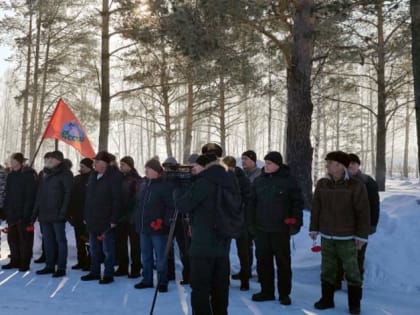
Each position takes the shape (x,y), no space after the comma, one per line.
(78,199)
(103,200)
(130,186)
(20,198)
(154,207)
(276,197)
(53,195)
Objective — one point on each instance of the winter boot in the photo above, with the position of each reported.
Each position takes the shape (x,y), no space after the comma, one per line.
(327,299)
(354,296)
(244,285)
(263,297)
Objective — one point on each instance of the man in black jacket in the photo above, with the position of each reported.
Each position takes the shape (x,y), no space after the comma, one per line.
(102,214)
(209,252)
(53,199)
(21,190)
(277,204)
(242,242)
(75,213)
(126,229)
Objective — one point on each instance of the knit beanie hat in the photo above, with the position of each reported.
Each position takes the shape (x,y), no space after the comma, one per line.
(274,157)
(251,154)
(338,156)
(154,165)
(354,158)
(87,162)
(212,148)
(103,156)
(58,155)
(128,160)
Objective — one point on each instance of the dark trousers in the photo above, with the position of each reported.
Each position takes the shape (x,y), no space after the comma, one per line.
(183,240)
(127,232)
(20,244)
(55,242)
(99,249)
(274,246)
(245,254)
(82,237)
(210,285)
(360,260)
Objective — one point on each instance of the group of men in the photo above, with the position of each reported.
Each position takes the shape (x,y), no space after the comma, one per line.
(111,207)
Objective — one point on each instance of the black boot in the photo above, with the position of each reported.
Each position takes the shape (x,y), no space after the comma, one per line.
(327,299)
(41,259)
(354,296)
(244,285)
(263,297)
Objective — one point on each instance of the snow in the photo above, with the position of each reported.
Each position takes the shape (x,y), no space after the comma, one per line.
(392,280)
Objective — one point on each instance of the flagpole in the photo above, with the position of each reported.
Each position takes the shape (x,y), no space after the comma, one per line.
(56,144)
(37,151)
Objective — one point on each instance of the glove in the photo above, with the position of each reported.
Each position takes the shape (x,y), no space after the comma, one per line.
(30,229)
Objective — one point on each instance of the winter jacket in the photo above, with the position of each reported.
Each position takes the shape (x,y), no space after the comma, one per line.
(200,202)
(78,199)
(2,186)
(340,210)
(253,174)
(103,200)
(373,196)
(154,207)
(275,198)
(20,198)
(246,193)
(53,195)
(130,186)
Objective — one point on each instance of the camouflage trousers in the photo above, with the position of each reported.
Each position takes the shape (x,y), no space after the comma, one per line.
(334,251)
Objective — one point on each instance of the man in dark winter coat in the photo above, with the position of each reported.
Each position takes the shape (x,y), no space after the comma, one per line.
(373,196)
(341,214)
(209,253)
(277,205)
(154,211)
(102,214)
(242,243)
(75,213)
(51,206)
(20,198)
(2,191)
(126,229)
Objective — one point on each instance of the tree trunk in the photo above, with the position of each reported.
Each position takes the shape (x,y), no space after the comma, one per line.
(222,113)
(34,111)
(337,127)
(407,140)
(415,50)
(189,121)
(270,109)
(299,104)
(27,83)
(105,93)
(391,164)
(381,116)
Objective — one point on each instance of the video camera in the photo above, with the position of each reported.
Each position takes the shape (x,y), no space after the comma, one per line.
(177,173)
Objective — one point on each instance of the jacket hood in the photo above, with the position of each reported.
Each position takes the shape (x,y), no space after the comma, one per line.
(218,173)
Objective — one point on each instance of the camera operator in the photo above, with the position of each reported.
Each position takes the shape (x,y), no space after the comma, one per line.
(209,253)
(179,177)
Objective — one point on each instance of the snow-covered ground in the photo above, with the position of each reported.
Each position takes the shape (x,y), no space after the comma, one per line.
(392,279)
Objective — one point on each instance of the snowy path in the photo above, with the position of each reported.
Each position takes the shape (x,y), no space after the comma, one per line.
(392,283)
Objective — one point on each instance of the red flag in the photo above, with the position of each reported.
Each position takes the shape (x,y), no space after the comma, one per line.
(66,127)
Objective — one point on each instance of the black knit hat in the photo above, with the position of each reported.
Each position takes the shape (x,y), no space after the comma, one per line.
(128,160)
(274,157)
(338,156)
(154,165)
(57,155)
(251,154)
(18,157)
(193,158)
(87,162)
(212,148)
(354,158)
(103,156)
(205,159)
